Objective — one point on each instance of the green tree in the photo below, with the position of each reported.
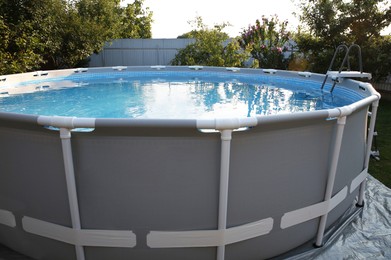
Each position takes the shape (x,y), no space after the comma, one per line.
(72,32)
(328,24)
(19,42)
(211,48)
(51,34)
(267,42)
(18,48)
(136,22)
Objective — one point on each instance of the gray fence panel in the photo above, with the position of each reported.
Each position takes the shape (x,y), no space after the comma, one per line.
(382,86)
(138,52)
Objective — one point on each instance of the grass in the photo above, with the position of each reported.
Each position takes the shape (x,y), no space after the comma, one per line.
(381,170)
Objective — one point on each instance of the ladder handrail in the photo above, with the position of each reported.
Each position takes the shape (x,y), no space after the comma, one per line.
(342,46)
(345,60)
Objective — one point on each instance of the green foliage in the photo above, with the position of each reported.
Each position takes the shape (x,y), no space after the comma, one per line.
(17,48)
(72,33)
(381,169)
(267,42)
(19,42)
(135,21)
(377,57)
(328,24)
(52,34)
(211,48)
(191,34)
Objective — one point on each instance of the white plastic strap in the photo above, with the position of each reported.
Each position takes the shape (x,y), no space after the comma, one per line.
(119,68)
(209,238)
(302,215)
(233,69)
(81,70)
(358,180)
(158,67)
(40,73)
(4,94)
(305,74)
(83,237)
(270,71)
(7,218)
(196,67)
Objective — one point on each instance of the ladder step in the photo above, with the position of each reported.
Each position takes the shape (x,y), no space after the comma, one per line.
(349,74)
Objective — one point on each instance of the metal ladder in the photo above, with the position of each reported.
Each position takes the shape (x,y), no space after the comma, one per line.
(336,75)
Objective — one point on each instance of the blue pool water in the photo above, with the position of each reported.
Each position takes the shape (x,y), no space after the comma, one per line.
(171,96)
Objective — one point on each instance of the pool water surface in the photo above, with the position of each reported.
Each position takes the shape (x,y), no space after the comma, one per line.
(152,95)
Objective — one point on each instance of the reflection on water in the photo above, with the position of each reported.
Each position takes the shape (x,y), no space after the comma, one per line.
(161,98)
(194,99)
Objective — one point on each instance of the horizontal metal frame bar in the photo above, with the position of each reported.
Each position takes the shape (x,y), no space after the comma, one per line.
(213,123)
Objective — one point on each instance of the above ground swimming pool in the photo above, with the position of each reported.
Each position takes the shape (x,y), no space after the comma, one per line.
(178,162)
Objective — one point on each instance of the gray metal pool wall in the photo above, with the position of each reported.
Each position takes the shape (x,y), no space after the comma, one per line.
(165,189)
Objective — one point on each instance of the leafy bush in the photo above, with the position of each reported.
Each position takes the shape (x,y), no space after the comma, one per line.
(268,42)
(212,47)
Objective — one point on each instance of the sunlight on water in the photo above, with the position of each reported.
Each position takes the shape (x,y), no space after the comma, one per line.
(173,98)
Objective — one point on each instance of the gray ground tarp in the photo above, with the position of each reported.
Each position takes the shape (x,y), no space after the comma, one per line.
(366,234)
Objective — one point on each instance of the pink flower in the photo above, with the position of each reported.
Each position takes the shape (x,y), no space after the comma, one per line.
(279,49)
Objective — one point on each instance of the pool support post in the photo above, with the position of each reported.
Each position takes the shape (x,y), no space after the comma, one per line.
(226,136)
(65,135)
(375,105)
(341,122)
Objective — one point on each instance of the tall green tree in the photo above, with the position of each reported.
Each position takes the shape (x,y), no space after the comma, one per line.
(51,34)
(136,22)
(327,24)
(211,48)
(18,48)
(19,41)
(72,32)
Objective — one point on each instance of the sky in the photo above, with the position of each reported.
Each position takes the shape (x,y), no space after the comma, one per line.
(171,16)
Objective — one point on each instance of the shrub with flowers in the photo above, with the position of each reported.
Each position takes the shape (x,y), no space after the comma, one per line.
(212,47)
(267,42)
